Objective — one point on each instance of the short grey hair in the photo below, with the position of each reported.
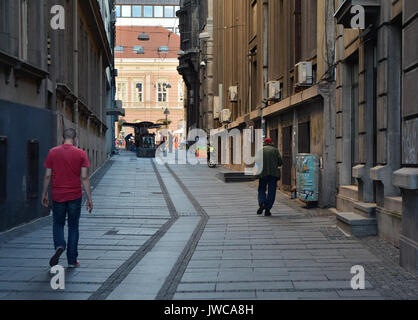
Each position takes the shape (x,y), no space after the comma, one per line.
(69,134)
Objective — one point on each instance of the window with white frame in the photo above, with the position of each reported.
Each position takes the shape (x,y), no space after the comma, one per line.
(162,92)
(121,91)
(139,92)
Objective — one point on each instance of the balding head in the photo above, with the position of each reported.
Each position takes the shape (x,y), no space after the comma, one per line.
(69,134)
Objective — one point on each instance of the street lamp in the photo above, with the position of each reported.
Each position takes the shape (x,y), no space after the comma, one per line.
(166,112)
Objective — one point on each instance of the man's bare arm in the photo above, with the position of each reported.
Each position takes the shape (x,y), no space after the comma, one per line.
(47,181)
(85,180)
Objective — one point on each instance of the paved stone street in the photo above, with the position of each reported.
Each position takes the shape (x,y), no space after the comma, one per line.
(179,232)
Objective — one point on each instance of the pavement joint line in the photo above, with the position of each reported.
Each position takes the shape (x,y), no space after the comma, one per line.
(168,290)
(123,271)
(269,290)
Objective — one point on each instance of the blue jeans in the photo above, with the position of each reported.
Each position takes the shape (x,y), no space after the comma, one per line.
(60,211)
(269,199)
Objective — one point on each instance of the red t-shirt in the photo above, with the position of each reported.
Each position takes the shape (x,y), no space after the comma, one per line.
(66,162)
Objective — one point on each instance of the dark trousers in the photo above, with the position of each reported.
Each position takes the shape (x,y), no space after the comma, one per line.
(61,210)
(269,182)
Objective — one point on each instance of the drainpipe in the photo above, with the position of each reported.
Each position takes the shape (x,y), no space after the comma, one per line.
(75,63)
(265,67)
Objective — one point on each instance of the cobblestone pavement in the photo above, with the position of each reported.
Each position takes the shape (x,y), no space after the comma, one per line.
(178,232)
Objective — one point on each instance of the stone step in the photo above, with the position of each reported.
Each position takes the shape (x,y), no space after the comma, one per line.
(349,192)
(367,210)
(393,204)
(234,177)
(356,225)
(345,204)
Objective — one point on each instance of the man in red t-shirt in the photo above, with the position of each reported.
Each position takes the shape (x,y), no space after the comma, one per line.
(68,168)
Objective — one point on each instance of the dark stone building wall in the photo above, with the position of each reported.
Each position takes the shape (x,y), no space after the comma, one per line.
(407,177)
(39,96)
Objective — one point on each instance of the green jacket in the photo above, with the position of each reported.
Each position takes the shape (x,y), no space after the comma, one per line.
(271,161)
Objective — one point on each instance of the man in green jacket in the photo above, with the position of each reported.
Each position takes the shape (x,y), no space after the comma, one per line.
(268,177)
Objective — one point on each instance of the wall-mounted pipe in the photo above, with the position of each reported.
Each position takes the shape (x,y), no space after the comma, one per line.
(265,66)
(75,63)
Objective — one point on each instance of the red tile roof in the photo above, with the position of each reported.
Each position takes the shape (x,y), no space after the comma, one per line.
(127,36)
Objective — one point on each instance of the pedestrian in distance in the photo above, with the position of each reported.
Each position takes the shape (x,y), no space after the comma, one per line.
(128,142)
(67,167)
(270,159)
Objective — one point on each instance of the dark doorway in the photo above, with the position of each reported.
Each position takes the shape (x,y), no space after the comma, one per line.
(287,156)
(274,135)
(33,169)
(304,137)
(219,150)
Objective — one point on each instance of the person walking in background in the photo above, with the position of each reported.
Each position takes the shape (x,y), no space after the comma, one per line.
(270,159)
(68,168)
(128,143)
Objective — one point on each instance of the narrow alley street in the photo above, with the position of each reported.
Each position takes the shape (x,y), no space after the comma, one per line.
(179,232)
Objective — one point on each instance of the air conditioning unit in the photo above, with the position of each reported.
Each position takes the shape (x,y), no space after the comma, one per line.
(216,108)
(233,93)
(225,116)
(274,90)
(304,74)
